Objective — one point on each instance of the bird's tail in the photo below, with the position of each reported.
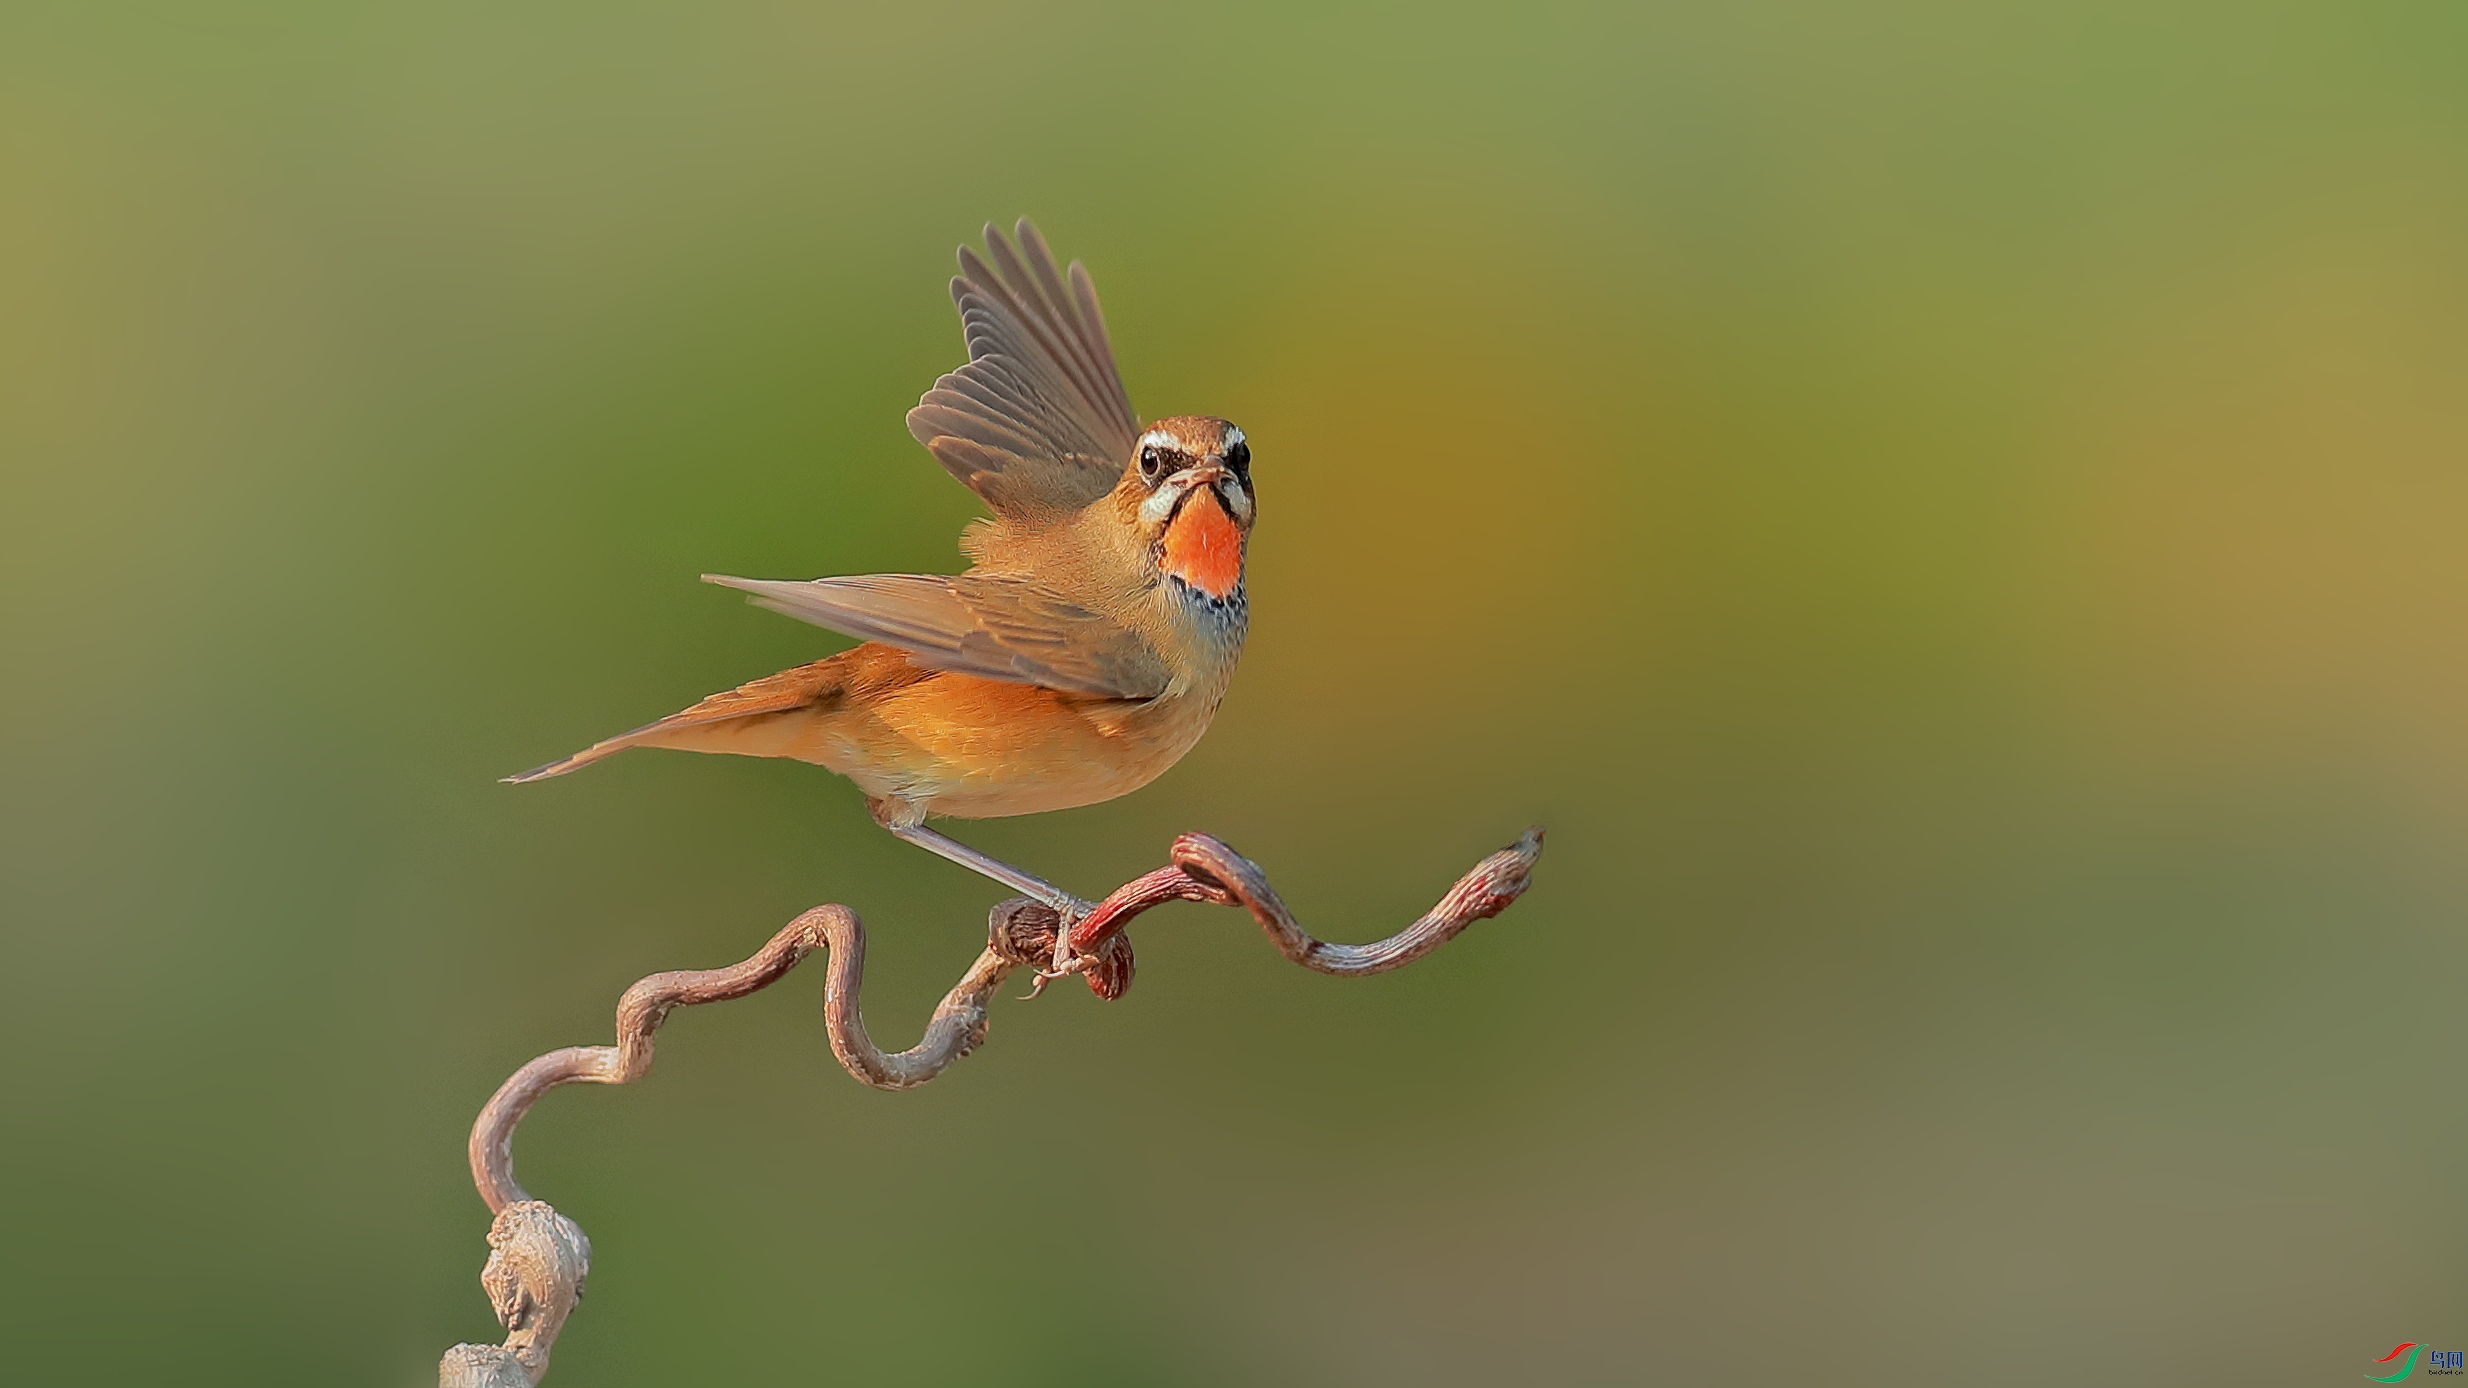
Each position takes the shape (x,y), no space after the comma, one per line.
(604,747)
(728,722)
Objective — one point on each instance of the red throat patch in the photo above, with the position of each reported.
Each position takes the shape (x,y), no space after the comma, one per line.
(1202,546)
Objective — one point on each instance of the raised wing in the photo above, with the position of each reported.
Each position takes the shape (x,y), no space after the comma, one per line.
(991,627)
(1037,421)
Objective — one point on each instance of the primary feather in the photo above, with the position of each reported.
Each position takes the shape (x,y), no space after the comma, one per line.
(1037,422)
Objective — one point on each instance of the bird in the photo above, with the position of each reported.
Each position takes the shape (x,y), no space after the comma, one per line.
(1090,641)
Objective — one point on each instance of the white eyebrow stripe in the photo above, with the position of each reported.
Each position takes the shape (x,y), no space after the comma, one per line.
(1159,438)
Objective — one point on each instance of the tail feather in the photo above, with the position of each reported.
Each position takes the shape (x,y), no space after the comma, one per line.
(788,690)
(603,748)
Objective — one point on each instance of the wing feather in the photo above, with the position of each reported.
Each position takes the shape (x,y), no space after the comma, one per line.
(1092,318)
(989,626)
(1038,293)
(1037,422)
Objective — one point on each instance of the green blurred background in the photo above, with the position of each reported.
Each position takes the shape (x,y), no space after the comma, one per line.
(1952,515)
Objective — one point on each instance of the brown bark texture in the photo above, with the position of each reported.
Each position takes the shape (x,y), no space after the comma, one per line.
(538,1258)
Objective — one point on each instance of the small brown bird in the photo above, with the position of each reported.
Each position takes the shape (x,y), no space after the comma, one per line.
(1090,642)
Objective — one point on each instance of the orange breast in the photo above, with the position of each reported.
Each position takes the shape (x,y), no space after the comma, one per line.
(1203,548)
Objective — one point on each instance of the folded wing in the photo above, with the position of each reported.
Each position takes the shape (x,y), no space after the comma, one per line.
(1037,422)
(992,627)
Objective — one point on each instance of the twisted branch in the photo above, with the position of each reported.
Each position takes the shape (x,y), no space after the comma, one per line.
(538,1258)
(1206,870)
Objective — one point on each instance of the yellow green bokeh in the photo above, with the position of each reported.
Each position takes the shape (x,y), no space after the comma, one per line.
(1952,516)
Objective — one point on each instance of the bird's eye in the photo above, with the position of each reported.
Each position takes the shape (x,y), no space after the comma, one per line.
(1152,466)
(1239,458)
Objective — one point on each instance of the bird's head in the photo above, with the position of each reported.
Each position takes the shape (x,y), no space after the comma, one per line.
(1187,491)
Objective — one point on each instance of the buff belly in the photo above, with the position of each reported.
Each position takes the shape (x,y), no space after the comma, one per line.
(982,749)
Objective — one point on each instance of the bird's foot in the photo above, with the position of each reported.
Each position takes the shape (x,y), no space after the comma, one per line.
(1036,987)
(1065,961)
(1036,934)
(1068,911)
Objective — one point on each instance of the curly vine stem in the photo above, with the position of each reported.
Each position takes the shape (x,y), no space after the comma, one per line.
(538,1258)
(1206,870)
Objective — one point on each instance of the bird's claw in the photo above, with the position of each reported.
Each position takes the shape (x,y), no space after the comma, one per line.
(1068,913)
(1062,969)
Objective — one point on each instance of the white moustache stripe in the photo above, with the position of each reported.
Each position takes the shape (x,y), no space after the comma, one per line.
(1160,503)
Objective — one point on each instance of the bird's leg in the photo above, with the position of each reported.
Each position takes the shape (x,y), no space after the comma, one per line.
(1069,907)
(907,821)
